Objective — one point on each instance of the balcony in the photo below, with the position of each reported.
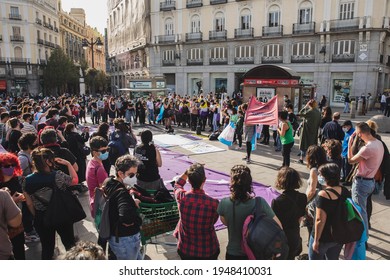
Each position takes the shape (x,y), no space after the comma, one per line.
(304,28)
(244,33)
(167,5)
(56,29)
(346,57)
(303,59)
(38,21)
(18,60)
(194,37)
(45,24)
(218,35)
(15,16)
(386,22)
(16,38)
(50,27)
(40,41)
(272,59)
(270,31)
(244,60)
(168,62)
(166,39)
(345,24)
(3,59)
(194,3)
(42,61)
(216,2)
(198,61)
(218,61)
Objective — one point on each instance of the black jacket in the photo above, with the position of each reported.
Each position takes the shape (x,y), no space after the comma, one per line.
(124,219)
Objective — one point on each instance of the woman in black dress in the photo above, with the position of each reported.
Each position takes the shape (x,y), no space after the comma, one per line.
(111,111)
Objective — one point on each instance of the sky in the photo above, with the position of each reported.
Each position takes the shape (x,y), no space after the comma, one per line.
(95,11)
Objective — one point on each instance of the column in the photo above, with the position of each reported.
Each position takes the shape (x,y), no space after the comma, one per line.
(206,82)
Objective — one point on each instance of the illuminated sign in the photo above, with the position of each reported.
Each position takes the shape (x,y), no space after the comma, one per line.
(271,82)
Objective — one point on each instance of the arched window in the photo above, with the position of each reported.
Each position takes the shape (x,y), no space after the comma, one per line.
(18,52)
(274,16)
(169,27)
(245,19)
(305,12)
(195,24)
(219,21)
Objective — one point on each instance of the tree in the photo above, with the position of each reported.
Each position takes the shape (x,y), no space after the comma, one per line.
(96,78)
(60,73)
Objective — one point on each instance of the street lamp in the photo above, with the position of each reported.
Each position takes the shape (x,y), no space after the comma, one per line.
(91,44)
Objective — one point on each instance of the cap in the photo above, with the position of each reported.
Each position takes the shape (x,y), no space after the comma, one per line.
(349,123)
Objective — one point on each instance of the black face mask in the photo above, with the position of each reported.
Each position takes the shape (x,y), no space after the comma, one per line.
(21,126)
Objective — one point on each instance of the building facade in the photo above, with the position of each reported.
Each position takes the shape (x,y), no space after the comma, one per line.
(128,31)
(28,34)
(98,61)
(339,46)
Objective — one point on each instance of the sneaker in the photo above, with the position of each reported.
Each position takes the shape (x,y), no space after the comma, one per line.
(238,148)
(244,158)
(248,161)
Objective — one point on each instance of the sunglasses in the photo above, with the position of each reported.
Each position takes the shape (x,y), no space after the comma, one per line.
(8,166)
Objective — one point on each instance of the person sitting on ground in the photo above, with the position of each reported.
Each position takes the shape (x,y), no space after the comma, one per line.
(148,175)
(234,209)
(289,207)
(197,239)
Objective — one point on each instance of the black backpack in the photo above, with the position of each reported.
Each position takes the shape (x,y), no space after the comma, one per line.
(345,228)
(262,237)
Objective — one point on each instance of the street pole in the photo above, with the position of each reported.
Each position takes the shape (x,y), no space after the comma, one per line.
(91,44)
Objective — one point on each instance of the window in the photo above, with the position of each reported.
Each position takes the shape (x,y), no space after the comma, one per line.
(38,34)
(14,11)
(246,19)
(169,55)
(36,15)
(169,28)
(219,22)
(305,13)
(273,50)
(39,53)
(347,10)
(219,52)
(344,47)
(16,31)
(44,18)
(244,51)
(50,38)
(195,24)
(18,52)
(195,54)
(303,48)
(274,16)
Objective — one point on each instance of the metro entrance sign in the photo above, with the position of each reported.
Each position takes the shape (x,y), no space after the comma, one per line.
(271,82)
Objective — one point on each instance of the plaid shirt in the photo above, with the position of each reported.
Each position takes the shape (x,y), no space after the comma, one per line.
(195,230)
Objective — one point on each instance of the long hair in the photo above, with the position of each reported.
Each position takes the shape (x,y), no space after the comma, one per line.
(40,156)
(316,156)
(241,187)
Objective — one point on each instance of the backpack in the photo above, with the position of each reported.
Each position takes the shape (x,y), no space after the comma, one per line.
(214,136)
(346,225)
(262,237)
(117,148)
(102,210)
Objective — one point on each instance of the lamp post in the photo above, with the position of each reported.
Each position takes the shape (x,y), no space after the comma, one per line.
(91,44)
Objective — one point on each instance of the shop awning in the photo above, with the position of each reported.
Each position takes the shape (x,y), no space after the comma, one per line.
(144,89)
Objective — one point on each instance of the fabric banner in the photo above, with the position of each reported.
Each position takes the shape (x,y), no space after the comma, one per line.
(262,113)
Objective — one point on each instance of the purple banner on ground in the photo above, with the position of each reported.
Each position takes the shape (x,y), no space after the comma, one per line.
(217,183)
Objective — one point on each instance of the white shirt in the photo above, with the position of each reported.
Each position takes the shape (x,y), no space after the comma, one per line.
(383,98)
(28,128)
(150,105)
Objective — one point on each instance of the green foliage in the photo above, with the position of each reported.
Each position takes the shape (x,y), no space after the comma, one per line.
(60,74)
(98,77)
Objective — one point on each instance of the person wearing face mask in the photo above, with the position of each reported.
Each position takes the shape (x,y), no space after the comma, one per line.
(148,175)
(38,188)
(13,135)
(27,126)
(95,173)
(322,245)
(348,131)
(125,222)
(9,179)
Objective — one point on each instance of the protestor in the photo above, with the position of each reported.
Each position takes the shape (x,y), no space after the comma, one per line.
(197,239)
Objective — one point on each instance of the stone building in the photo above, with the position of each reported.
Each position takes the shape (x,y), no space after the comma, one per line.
(29,31)
(339,47)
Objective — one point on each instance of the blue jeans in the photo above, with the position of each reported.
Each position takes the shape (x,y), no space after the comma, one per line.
(128,247)
(361,189)
(151,115)
(327,250)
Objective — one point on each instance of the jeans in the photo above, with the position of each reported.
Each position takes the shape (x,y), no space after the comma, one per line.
(127,247)
(361,189)
(151,116)
(346,108)
(327,250)
(346,168)
(286,151)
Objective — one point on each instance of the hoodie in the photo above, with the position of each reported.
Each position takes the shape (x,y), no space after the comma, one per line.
(124,219)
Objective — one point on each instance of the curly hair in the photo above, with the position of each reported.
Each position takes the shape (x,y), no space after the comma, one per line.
(241,187)
(316,156)
(333,148)
(39,157)
(10,159)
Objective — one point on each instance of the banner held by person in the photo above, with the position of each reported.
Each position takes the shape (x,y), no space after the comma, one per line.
(262,113)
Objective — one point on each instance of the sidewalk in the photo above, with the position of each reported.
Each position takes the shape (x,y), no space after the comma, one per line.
(264,170)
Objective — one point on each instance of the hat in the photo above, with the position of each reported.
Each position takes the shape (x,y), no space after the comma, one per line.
(349,123)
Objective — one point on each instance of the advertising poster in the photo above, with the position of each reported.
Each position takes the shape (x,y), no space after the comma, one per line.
(341,88)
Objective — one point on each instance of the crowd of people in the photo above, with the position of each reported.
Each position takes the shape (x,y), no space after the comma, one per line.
(48,146)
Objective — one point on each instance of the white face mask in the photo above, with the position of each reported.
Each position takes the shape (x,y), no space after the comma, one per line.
(345,129)
(130,181)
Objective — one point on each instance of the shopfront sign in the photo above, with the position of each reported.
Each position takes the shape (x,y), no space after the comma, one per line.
(20,71)
(2,72)
(3,84)
(270,82)
(140,85)
(160,84)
